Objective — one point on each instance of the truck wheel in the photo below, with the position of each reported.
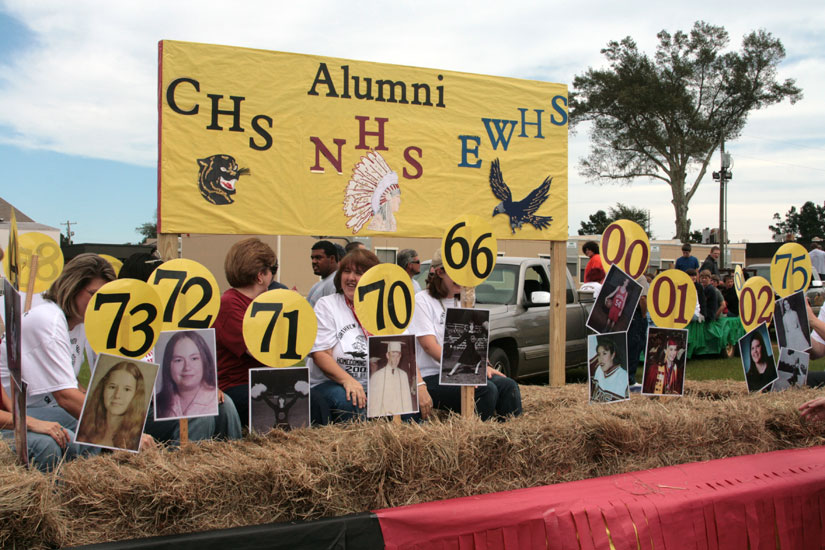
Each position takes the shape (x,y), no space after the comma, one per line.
(500,361)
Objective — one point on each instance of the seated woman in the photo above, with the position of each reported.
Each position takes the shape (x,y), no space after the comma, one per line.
(47,442)
(189,386)
(499,398)
(338,368)
(116,409)
(226,424)
(53,341)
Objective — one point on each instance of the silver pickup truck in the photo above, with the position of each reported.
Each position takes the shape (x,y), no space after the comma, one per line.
(517,293)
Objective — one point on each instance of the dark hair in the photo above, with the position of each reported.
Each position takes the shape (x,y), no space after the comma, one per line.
(76,274)
(606,343)
(436,285)
(94,422)
(139,266)
(686,247)
(592,246)
(328,248)
(170,388)
(352,245)
(691,271)
(360,260)
(712,248)
(245,260)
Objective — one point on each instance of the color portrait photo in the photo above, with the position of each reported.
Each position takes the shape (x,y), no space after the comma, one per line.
(117,403)
(665,360)
(392,387)
(616,302)
(758,361)
(187,383)
(607,371)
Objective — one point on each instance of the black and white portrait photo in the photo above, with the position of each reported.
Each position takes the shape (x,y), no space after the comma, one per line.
(392,387)
(791,322)
(278,398)
(464,354)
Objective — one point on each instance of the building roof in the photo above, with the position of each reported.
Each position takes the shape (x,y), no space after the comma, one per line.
(5,212)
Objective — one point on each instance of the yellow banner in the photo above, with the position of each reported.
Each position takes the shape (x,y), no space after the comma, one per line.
(260,142)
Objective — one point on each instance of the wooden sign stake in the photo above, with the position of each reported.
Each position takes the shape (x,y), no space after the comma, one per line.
(468,393)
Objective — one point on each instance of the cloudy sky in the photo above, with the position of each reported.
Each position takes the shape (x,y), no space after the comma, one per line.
(78,90)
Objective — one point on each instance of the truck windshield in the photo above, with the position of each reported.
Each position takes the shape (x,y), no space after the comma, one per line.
(499,287)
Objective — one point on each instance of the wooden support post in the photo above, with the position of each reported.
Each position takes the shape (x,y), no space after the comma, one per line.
(32,276)
(468,393)
(168,249)
(558,312)
(396,419)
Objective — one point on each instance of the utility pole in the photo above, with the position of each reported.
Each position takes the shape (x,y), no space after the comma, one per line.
(69,232)
(722,176)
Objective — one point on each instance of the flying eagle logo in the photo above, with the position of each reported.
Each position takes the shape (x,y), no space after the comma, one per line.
(523,211)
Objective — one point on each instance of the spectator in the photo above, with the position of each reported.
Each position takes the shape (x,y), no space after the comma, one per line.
(699,312)
(409,261)
(711,263)
(591,250)
(818,259)
(686,261)
(325,260)
(712,307)
(353,245)
(731,298)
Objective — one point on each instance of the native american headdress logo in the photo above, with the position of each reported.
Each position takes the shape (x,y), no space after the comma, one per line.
(372,195)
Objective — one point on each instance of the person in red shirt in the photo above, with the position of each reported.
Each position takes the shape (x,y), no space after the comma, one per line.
(250,266)
(591,250)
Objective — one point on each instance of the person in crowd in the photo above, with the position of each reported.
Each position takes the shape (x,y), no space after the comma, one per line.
(226,424)
(817,256)
(54,340)
(338,368)
(47,442)
(276,285)
(249,268)
(189,386)
(610,382)
(116,409)
(499,398)
(712,306)
(593,282)
(324,256)
(686,260)
(762,371)
(711,263)
(730,296)
(716,283)
(701,304)
(409,261)
(591,250)
(352,245)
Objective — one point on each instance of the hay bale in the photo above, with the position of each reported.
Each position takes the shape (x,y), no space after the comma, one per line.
(336,470)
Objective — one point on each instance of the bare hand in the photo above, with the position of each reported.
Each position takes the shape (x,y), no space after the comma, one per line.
(355,392)
(147,443)
(813,410)
(425,402)
(493,372)
(220,397)
(52,429)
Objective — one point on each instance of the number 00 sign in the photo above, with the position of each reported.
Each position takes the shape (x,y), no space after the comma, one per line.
(625,244)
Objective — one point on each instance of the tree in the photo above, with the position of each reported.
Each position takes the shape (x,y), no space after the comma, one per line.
(804,225)
(661,117)
(149,230)
(599,221)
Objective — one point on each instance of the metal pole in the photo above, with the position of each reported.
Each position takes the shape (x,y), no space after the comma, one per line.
(721,233)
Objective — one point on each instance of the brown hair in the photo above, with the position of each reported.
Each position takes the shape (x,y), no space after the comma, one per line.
(436,285)
(245,260)
(359,260)
(76,274)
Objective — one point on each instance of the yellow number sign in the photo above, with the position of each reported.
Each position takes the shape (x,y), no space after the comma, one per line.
(738,280)
(469,250)
(116,264)
(671,299)
(756,303)
(49,260)
(189,294)
(790,269)
(625,244)
(279,328)
(123,318)
(384,300)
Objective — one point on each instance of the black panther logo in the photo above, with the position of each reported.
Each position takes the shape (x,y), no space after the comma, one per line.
(218,177)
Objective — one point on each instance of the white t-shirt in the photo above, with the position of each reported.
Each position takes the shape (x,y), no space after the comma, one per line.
(339,331)
(817,260)
(429,318)
(814,335)
(51,355)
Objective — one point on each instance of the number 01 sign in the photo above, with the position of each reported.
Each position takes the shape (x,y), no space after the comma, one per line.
(671,299)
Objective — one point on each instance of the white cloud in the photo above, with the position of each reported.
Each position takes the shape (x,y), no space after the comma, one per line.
(87,83)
